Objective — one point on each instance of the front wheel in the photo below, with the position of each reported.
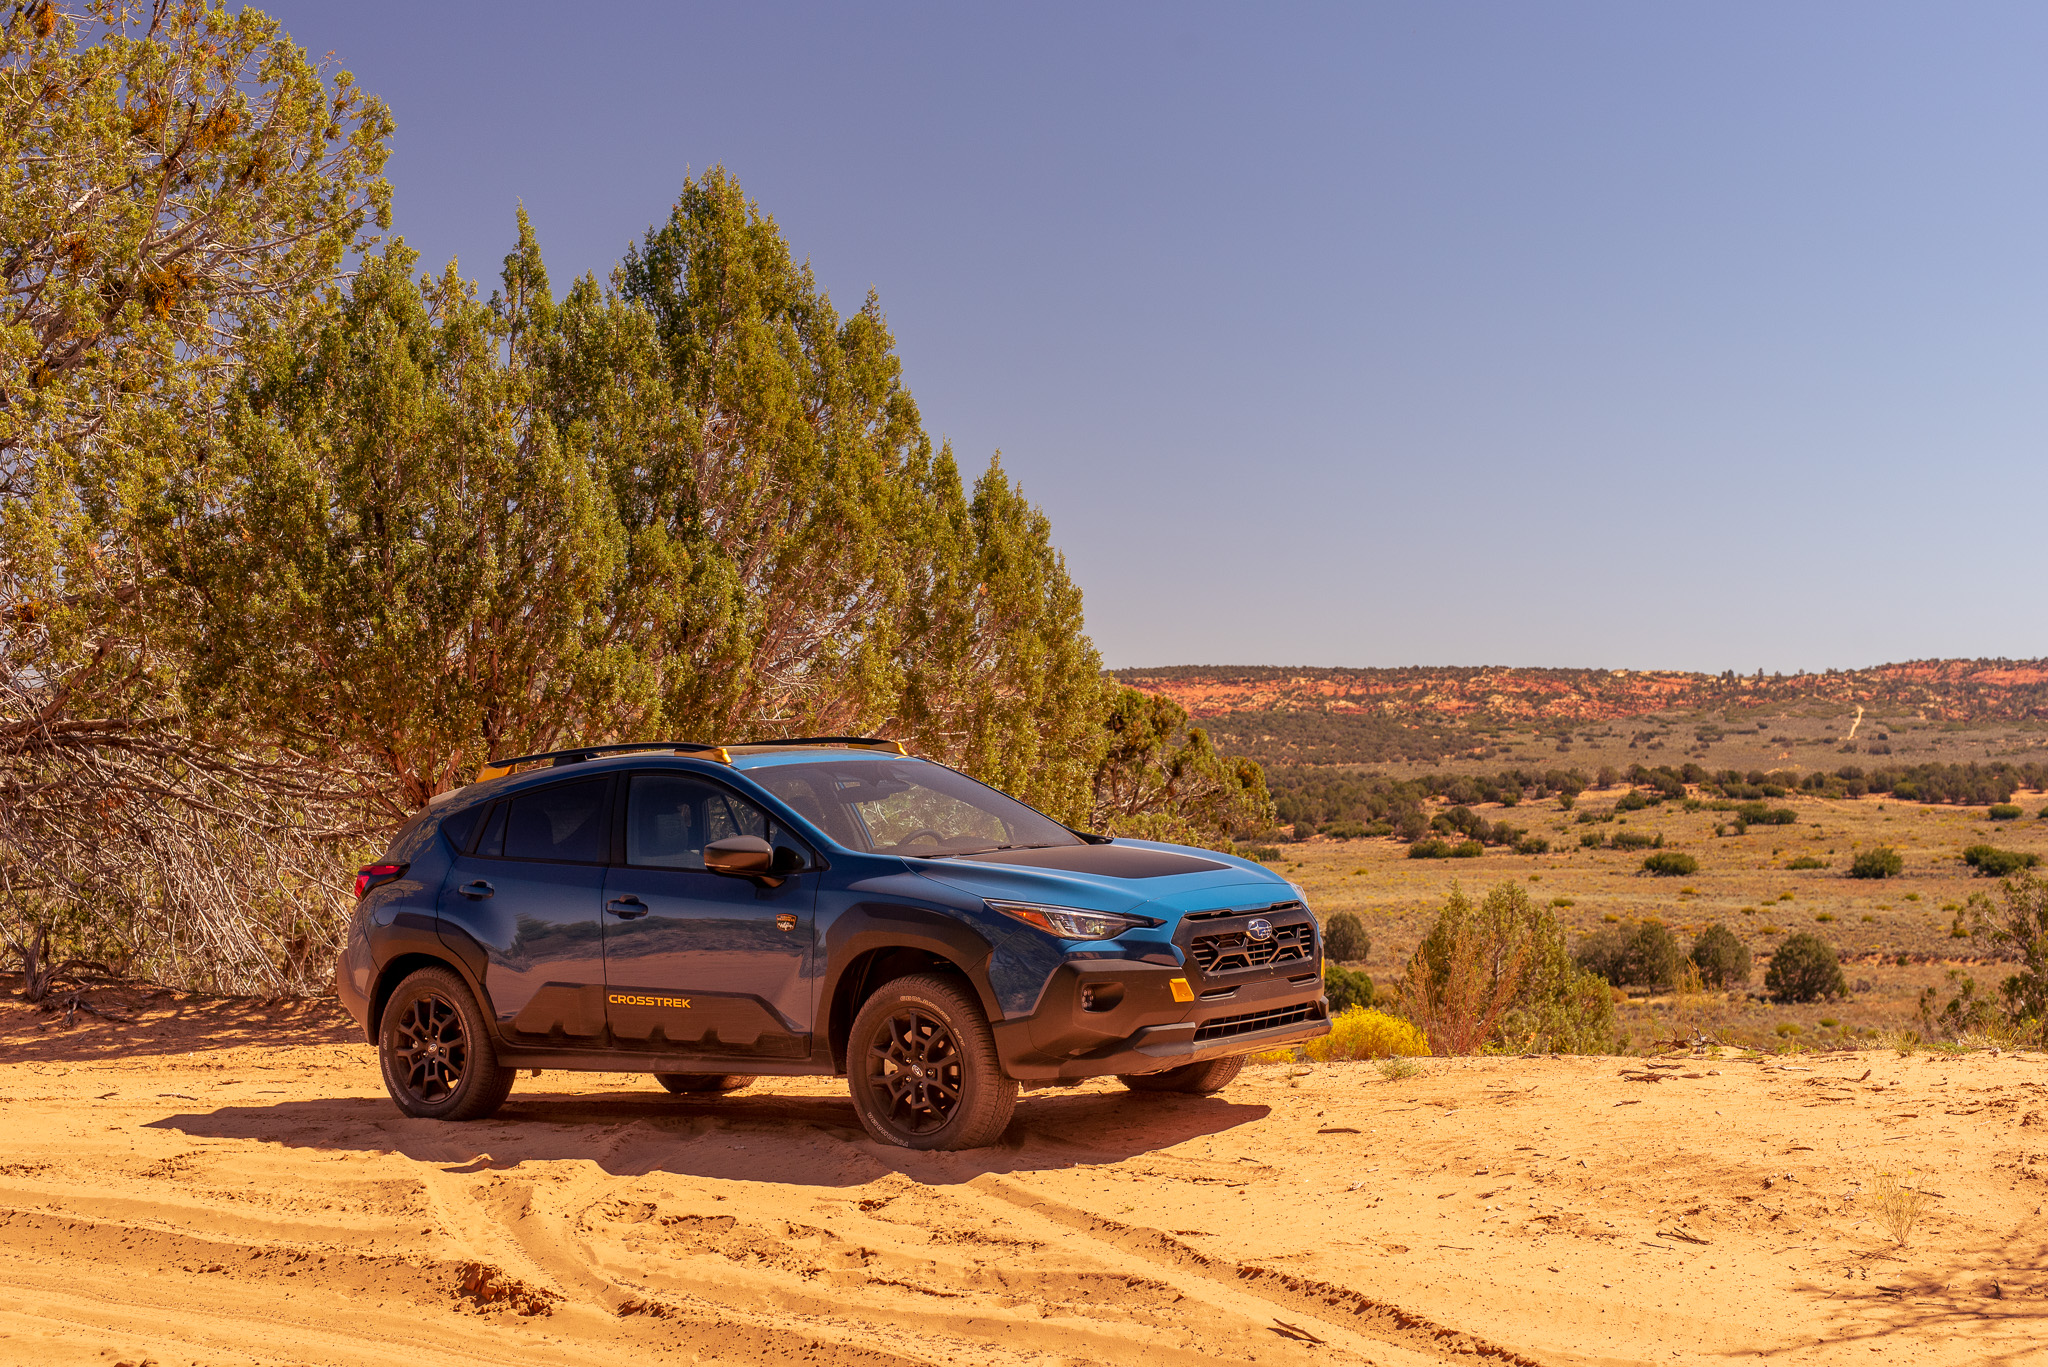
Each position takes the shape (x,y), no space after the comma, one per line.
(682,1084)
(435,1052)
(921,1064)
(1199,1078)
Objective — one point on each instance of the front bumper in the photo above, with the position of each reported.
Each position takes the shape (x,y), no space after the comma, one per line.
(1102,1017)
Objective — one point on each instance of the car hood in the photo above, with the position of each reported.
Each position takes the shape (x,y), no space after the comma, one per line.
(1122,877)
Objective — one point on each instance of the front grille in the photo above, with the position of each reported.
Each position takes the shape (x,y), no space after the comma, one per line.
(1227,1026)
(1233,951)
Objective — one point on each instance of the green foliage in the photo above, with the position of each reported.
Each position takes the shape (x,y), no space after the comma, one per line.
(2018,932)
(179,180)
(1670,864)
(1990,862)
(1532,844)
(1721,957)
(1500,974)
(1964,1013)
(1880,861)
(1632,954)
(282,558)
(1444,849)
(1636,840)
(1160,779)
(1805,969)
(2002,811)
(1345,939)
(1807,861)
(1346,987)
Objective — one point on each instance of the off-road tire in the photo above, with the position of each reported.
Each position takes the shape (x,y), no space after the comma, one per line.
(684,1084)
(1199,1078)
(434,1049)
(962,1101)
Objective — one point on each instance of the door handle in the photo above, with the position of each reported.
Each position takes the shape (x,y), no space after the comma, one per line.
(476,891)
(626,908)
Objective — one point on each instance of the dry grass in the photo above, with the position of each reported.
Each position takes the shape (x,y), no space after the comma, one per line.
(1899,1204)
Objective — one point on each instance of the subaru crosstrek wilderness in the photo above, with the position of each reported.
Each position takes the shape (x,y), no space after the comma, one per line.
(710,914)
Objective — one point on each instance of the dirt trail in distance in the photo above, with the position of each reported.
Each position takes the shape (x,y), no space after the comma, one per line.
(225,1184)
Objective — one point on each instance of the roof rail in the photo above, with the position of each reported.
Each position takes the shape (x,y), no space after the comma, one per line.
(864,742)
(498,768)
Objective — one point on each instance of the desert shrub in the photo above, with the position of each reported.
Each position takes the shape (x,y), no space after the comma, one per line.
(1467,849)
(1757,814)
(1532,844)
(1805,969)
(1345,830)
(1304,830)
(1345,939)
(1499,973)
(1722,958)
(1807,861)
(1430,849)
(2003,811)
(1636,840)
(1265,854)
(1634,801)
(2018,931)
(1346,987)
(1361,1033)
(1965,1014)
(1990,862)
(1880,861)
(1592,840)
(1671,864)
(1632,954)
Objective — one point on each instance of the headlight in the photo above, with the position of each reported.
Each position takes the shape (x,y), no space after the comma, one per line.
(1299,894)
(1071,923)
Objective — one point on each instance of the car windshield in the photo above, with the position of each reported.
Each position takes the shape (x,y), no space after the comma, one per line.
(908,807)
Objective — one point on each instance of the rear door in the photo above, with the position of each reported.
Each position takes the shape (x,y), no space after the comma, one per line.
(531,892)
(697,962)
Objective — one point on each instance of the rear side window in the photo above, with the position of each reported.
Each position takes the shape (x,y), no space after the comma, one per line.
(564,824)
(460,826)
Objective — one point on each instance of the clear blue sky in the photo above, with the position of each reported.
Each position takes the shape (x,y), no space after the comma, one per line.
(1694,336)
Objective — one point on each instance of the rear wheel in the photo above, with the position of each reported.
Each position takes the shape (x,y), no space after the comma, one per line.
(685,1083)
(1200,1078)
(435,1052)
(921,1064)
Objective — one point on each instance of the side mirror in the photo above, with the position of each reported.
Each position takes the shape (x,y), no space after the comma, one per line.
(740,856)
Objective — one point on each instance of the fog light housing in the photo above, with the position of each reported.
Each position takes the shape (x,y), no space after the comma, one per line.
(1101,996)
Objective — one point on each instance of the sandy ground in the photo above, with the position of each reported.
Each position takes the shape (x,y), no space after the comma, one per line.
(220,1183)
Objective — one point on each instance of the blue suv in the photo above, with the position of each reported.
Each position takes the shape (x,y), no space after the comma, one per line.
(712,914)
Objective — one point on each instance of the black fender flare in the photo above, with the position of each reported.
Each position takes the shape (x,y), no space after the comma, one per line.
(871,936)
(412,941)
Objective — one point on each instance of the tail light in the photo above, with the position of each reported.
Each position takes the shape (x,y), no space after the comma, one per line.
(370,875)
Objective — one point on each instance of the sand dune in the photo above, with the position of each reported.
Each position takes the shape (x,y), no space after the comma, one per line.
(222,1184)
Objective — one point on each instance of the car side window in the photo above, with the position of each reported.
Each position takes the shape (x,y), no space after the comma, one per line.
(670,818)
(564,824)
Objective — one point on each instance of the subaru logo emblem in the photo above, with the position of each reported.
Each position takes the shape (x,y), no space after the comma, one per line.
(1260,929)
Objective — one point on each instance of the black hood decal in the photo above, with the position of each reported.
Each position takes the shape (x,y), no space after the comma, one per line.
(1104,861)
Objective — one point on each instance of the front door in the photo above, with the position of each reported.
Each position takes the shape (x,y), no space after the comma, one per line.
(697,962)
(531,892)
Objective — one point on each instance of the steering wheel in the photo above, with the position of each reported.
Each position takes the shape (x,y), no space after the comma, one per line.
(934,836)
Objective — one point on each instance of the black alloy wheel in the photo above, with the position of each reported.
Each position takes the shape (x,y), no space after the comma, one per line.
(437,1060)
(430,1049)
(922,1067)
(917,1062)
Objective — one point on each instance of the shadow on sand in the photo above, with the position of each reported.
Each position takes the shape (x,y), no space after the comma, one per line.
(812,1141)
